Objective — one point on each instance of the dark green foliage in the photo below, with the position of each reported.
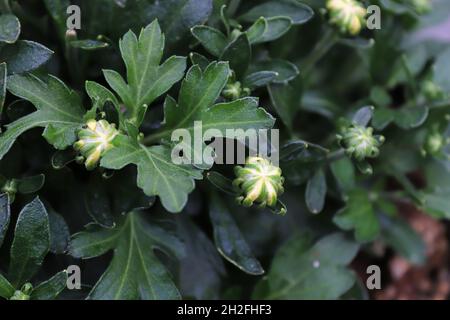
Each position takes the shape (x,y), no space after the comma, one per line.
(363,125)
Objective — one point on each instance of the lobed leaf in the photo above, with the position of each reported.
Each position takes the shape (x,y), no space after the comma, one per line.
(147,79)
(59,110)
(134,272)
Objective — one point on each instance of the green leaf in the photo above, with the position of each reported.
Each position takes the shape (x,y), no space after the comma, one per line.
(30,184)
(97,203)
(238,53)
(51,288)
(344,173)
(89,44)
(411,117)
(276,28)
(31,242)
(5,214)
(9,28)
(59,109)
(147,80)
(364,167)
(58,11)
(157,174)
(382,117)
(316,190)
(363,116)
(286,100)
(24,56)
(60,159)
(199,91)
(259,79)
(6,288)
(134,272)
(304,152)
(229,240)
(3,75)
(211,39)
(222,183)
(300,270)
(404,239)
(256,30)
(358,43)
(286,71)
(59,232)
(380,97)
(436,203)
(100,96)
(197,58)
(292,149)
(358,215)
(201,261)
(299,13)
(442,70)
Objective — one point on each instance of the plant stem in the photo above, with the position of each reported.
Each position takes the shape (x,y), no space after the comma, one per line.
(412,86)
(329,39)
(336,155)
(5,7)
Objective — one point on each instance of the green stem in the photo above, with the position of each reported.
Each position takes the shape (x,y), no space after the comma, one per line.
(328,40)
(336,155)
(412,86)
(5,7)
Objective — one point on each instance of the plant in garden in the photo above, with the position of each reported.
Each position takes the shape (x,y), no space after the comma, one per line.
(87,170)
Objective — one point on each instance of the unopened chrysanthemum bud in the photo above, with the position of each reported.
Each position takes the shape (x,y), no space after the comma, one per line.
(259,182)
(234,90)
(432,91)
(421,6)
(435,142)
(94,139)
(24,293)
(347,15)
(359,142)
(10,188)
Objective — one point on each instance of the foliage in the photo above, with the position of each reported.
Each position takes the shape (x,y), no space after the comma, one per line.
(87,175)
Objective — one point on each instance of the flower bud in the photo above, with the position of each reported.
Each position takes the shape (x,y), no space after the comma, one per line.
(94,139)
(421,6)
(24,293)
(347,15)
(259,182)
(435,142)
(359,142)
(234,90)
(432,91)
(10,188)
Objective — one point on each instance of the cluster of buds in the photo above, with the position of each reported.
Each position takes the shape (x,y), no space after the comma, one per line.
(359,142)
(259,181)
(24,293)
(347,15)
(94,139)
(234,90)
(435,143)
